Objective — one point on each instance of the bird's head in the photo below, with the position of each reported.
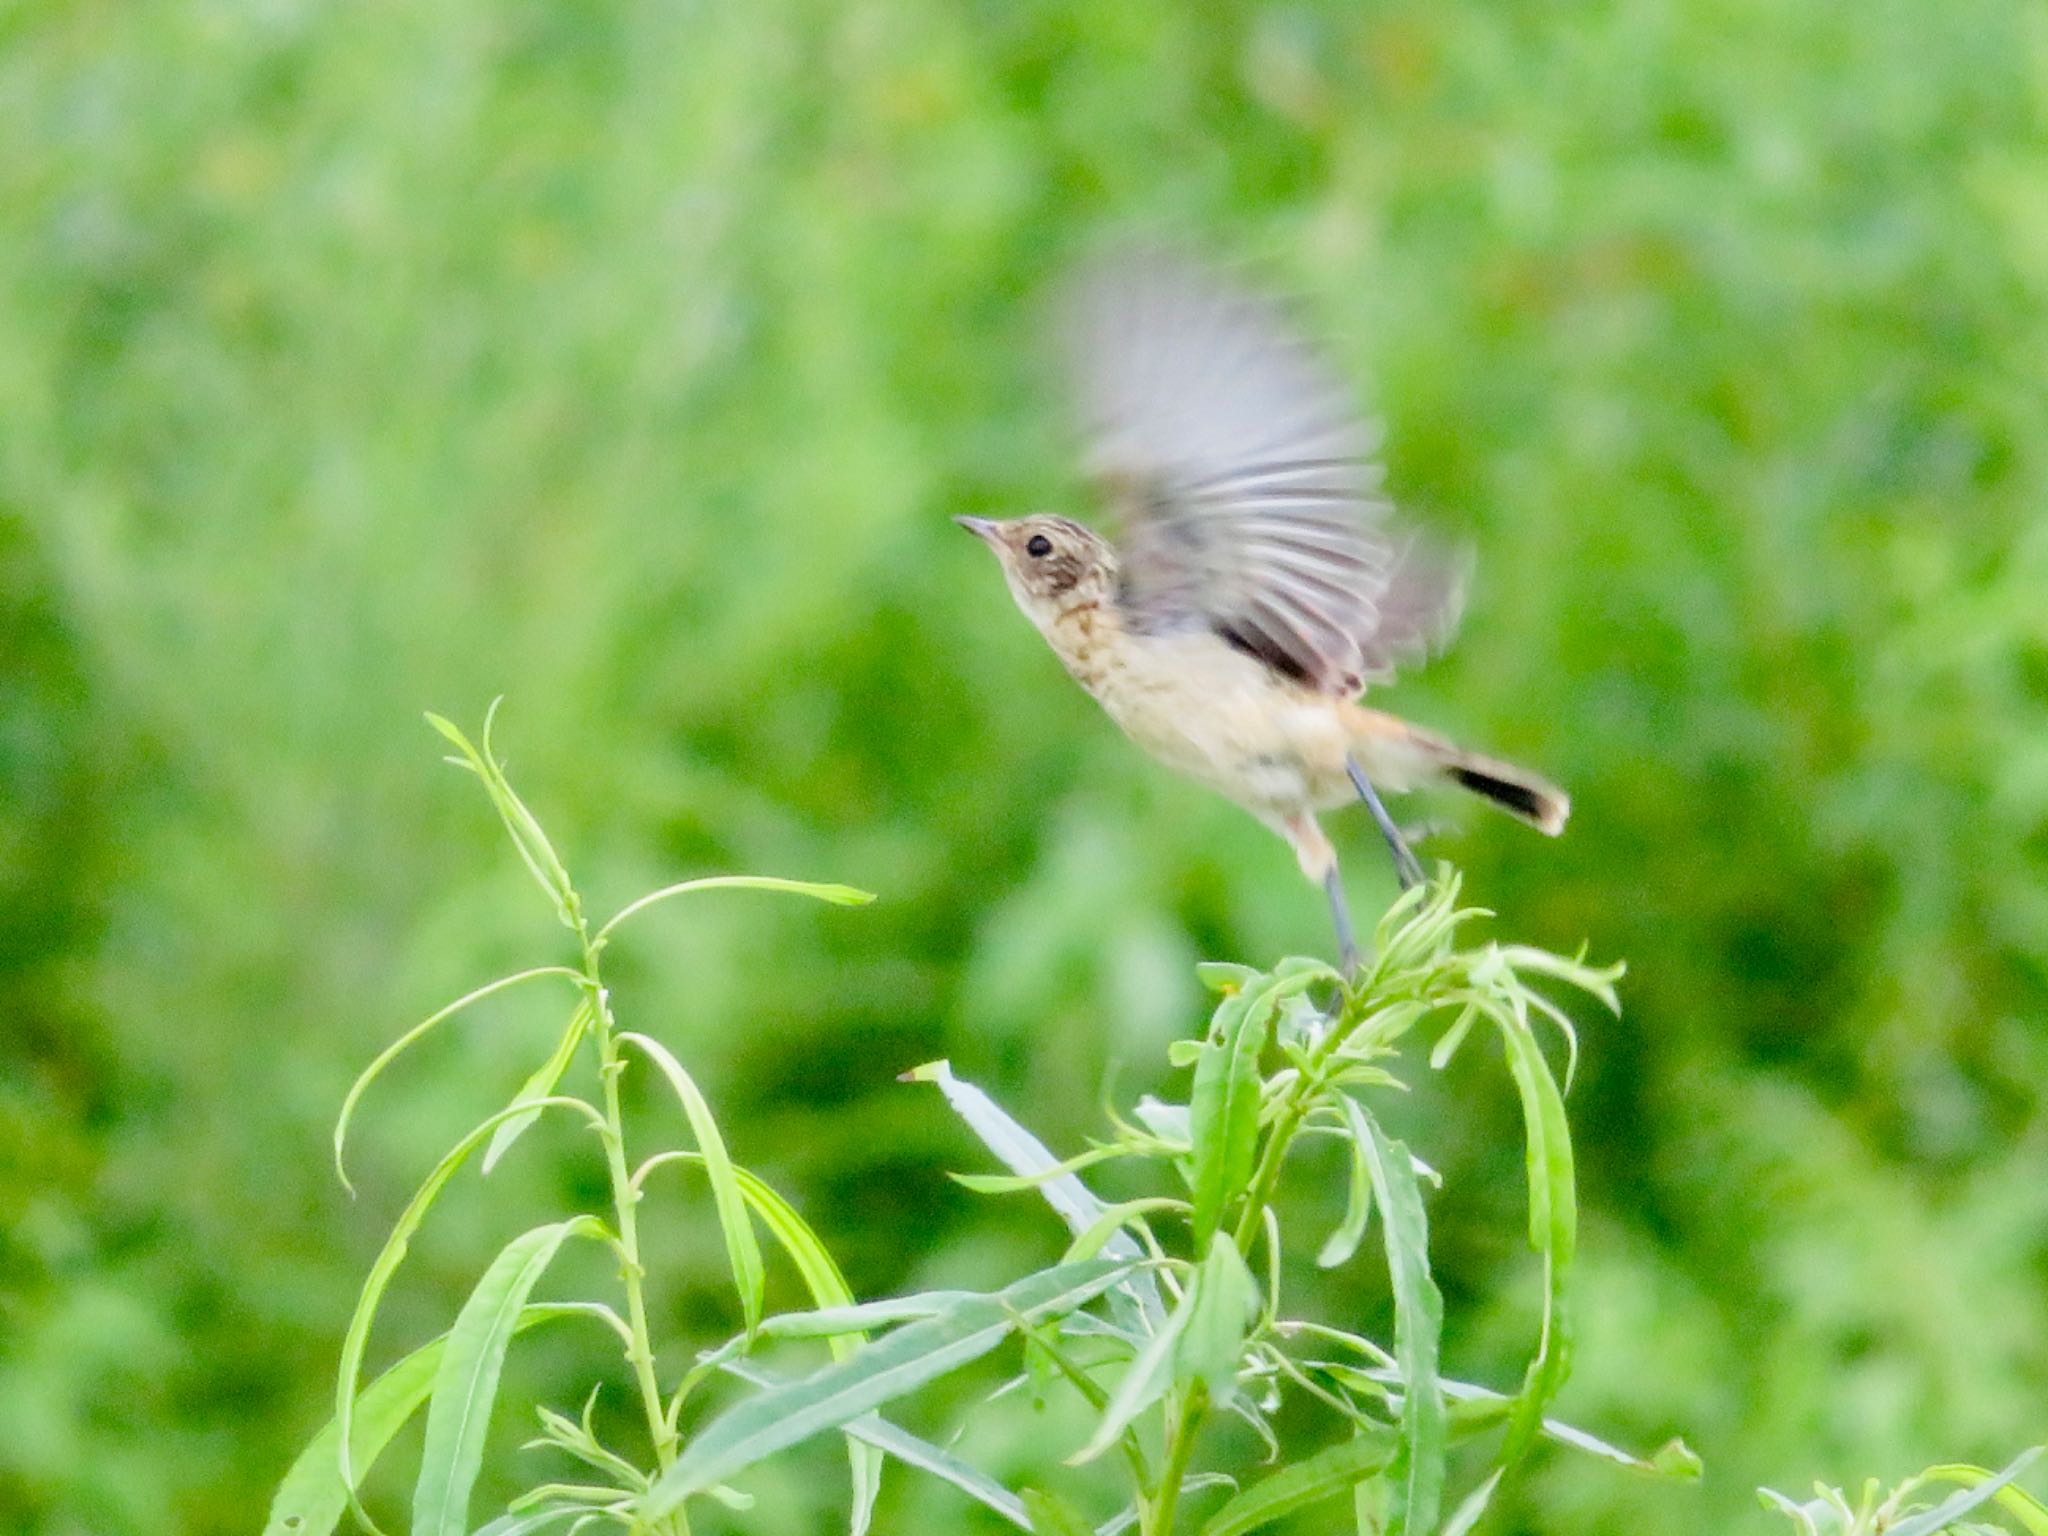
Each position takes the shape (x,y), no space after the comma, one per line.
(1053,565)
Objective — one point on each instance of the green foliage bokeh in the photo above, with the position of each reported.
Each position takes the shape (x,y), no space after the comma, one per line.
(629,359)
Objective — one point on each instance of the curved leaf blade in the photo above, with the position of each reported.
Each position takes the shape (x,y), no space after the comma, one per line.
(1224,1107)
(2016,1502)
(872,1430)
(1418,1324)
(1221,1305)
(837,895)
(1553,1225)
(310,1500)
(466,1385)
(846,1390)
(1322,1476)
(1929,1522)
(1350,1232)
(1143,1383)
(411,1037)
(1029,1158)
(742,1247)
(355,1342)
(828,1289)
(528,840)
(545,1079)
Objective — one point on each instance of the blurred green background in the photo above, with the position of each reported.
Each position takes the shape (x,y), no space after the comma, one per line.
(630,359)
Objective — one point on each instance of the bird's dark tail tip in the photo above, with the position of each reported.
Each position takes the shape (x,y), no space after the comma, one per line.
(1522,795)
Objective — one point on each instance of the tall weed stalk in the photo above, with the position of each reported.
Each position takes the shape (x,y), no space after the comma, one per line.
(455,1376)
(1163,1317)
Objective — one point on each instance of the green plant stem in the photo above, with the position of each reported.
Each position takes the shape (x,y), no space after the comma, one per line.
(1180,1445)
(1270,1160)
(625,1200)
(1301,1094)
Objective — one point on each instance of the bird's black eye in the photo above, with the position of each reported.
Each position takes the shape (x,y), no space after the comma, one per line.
(1038,547)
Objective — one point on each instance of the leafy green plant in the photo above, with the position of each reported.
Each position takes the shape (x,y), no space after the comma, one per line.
(1164,1314)
(455,1376)
(1907,1510)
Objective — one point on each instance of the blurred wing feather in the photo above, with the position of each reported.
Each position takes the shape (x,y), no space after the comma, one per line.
(1248,486)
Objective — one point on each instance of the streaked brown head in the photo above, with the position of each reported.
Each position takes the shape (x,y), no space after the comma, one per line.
(1053,565)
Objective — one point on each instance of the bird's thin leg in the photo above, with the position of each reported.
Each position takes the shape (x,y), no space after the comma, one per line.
(1406,869)
(1319,863)
(1340,915)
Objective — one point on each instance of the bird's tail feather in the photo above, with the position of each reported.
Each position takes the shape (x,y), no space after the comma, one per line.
(1406,754)
(1525,796)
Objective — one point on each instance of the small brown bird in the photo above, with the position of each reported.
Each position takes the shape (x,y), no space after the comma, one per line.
(1260,582)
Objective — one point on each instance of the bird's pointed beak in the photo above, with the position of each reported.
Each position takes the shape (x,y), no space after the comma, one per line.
(980,527)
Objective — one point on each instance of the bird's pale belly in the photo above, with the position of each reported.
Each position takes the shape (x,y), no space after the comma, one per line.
(1214,714)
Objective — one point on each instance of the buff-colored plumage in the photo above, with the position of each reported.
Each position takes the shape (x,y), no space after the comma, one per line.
(1260,581)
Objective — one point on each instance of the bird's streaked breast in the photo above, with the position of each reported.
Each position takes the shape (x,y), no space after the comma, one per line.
(1208,710)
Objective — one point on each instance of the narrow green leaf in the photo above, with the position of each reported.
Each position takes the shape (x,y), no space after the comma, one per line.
(545,1079)
(526,1522)
(830,1398)
(838,895)
(466,1387)
(827,1286)
(1052,1516)
(1958,1504)
(1447,1044)
(825,1322)
(1674,1459)
(1553,1226)
(872,1430)
(527,836)
(1596,980)
(742,1248)
(1143,1383)
(1369,1506)
(1322,1476)
(312,1497)
(1473,1506)
(1343,1242)
(1010,1183)
(1028,1157)
(310,1500)
(392,1051)
(1016,1148)
(1222,1302)
(356,1341)
(528,840)
(1477,1409)
(1224,1108)
(2015,1501)
(1418,1329)
(1800,1514)
(1114,1219)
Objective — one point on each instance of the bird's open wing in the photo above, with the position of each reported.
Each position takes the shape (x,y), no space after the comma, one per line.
(1248,485)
